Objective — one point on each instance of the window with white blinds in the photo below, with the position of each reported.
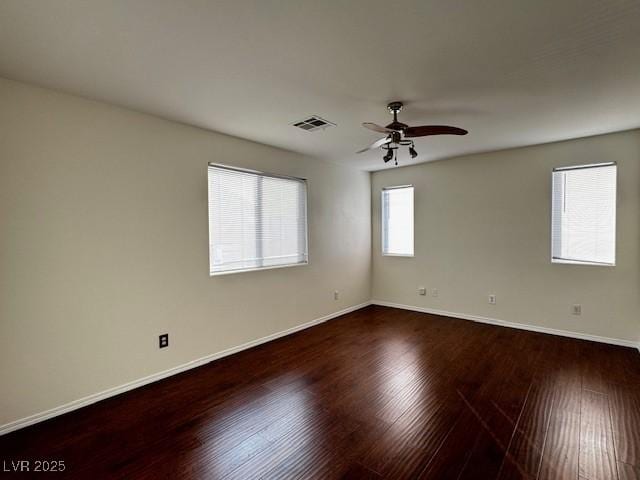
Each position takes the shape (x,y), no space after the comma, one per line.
(256,220)
(397,221)
(583,218)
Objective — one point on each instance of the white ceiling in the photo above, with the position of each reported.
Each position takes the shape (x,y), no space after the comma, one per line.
(512,72)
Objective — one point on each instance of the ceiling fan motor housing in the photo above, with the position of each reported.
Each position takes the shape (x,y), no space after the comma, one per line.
(394,108)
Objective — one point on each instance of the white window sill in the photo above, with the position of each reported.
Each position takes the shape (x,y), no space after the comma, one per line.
(578,262)
(398,255)
(258,269)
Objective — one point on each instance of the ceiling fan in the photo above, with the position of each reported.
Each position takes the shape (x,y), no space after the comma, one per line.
(398,134)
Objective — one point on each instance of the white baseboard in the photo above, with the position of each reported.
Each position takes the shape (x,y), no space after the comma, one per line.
(96,397)
(504,323)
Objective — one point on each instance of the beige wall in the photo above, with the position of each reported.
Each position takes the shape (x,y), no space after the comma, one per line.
(104,245)
(482,226)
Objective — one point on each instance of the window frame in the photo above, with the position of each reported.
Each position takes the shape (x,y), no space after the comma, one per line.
(563,261)
(260,173)
(382,222)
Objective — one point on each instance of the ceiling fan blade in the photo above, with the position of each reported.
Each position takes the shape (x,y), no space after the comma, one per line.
(376,128)
(374,145)
(425,130)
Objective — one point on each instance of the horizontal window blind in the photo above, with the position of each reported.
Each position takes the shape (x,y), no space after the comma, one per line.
(583,224)
(256,220)
(397,221)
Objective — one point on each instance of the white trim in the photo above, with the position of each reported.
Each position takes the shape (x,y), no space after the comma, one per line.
(397,186)
(582,167)
(258,172)
(96,397)
(257,269)
(565,261)
(504,323)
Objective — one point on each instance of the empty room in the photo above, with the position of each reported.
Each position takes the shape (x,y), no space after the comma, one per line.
(259,239)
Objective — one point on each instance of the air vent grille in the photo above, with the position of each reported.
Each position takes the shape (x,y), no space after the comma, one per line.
(313,123)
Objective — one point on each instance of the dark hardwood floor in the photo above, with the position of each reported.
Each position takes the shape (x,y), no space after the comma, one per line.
(379,393)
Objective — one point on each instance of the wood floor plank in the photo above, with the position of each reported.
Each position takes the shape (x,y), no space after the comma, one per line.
(597,453)
(524,456)
(453,454)
(499,410)
(525,451)
(378,393)
(356,471)
(628,472)
(560,458)
(624,403)
(561,452)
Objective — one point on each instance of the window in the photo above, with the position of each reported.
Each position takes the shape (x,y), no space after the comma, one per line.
(583,217)
(256,220)
(397,221)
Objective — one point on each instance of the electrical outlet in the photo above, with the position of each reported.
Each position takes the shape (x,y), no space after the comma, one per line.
(336,295)
(163,340)
(422,291)
(492,299)
(576,309)
(434,292)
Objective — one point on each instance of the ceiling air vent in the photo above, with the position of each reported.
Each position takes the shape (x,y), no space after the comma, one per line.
(313,123)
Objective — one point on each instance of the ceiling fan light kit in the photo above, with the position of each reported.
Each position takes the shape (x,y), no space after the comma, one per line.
(398,134)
